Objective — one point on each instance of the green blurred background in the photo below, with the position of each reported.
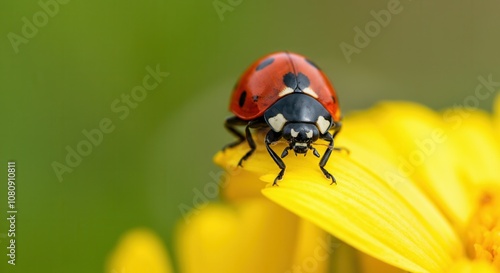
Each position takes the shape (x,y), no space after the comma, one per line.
(89,53)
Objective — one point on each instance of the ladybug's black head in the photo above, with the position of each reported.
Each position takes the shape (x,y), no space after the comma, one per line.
(300,136)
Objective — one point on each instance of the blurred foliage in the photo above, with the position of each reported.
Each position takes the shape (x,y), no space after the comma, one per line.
(65,78)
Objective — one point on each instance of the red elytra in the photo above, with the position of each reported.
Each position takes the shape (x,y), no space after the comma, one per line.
(260,86)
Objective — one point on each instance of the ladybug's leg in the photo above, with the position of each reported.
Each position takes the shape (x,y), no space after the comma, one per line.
(256,123)
(230,124)
(336,130)
(328,137)
(271,137)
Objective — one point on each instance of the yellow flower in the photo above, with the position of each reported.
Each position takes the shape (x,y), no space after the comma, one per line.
(419,192)
(419,189)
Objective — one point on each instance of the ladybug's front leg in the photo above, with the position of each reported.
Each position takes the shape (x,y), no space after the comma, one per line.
(256,123)
(271,137)
(328,137)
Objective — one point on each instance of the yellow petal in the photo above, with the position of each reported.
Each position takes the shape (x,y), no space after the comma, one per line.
(237,183)
(229,159)
(369,213)
(139,251)
(478,149)
(313,249)
(253,235)
(426,154)
(360,129)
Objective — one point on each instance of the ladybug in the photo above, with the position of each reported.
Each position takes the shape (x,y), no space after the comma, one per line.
(290,97)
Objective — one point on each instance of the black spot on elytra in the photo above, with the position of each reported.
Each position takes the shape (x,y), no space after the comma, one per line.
(303,81)
(255,98)
(243,97)
(334,100)
(313,64)
(264,63)
(290,80)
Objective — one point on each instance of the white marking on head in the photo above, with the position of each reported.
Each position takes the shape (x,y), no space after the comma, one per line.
(310,92)
(309,134)
(285,91)
(322,124)
(300,144)
(277,122)
(294,133)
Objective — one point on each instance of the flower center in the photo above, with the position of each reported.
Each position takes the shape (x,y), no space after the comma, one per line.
(483,234)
